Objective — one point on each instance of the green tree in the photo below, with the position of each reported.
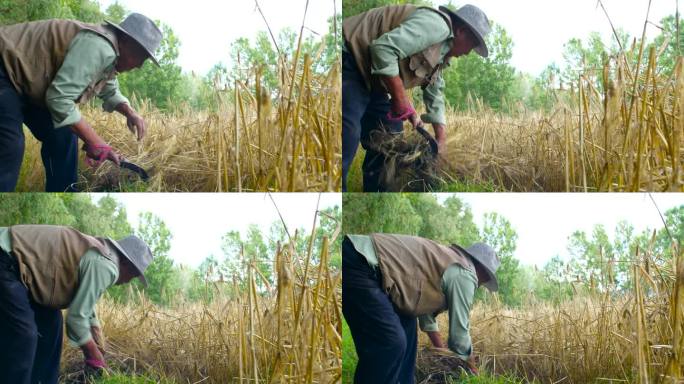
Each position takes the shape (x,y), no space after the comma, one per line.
(552,283)
(498,233)
(34,208)
(675,46)
(365,213)
(490,79)
(354,7)
(162,278)
(163,85)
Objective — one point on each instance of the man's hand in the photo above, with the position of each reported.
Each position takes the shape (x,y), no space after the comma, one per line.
(99,339)
(401,106)
(471,365)
(93,144)
(93,357)
(134,121)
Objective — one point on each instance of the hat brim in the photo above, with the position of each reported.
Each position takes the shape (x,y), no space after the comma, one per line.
(492,284)
(150,55)
(141,275)
(481,49)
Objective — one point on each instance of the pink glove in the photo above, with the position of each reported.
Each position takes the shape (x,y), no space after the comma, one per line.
(96,364)
(408,112)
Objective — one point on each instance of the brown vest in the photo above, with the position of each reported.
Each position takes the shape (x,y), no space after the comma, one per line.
(361,30)
(49,257)
(33,52)
(412,269)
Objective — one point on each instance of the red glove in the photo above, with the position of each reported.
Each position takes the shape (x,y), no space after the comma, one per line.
(95,364)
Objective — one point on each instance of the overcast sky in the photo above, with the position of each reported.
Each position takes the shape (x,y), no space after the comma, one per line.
(206,28)
(543,221)
(539,28)
(198,220)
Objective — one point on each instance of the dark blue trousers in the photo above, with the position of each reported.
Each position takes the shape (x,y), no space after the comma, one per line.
(30,335)
(385,341)
(59,150)
(363,111)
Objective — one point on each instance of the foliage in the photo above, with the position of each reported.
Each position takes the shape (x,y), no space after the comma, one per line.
(354,7)
(491,79)
(105,218)
(17,11)
(498,233)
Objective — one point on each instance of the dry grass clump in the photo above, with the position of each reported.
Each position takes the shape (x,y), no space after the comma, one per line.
(627,137)
(285,140)
(605,336)
(433,367)
(289,333)
(410,166)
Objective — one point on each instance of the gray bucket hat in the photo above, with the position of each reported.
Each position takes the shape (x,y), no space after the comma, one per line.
(486,256)
(478,22)
(137,252)
(143,30)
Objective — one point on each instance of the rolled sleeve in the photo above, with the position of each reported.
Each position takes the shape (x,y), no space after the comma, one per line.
(96,274)
(111,96)
(422,29)
(428,323)
(88,56)
(433,97)
(459,287)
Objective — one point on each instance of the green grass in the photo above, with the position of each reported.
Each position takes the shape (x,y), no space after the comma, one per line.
(118,378)
(349,357)
(485,378)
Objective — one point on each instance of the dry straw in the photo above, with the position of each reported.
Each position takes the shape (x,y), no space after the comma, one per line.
(625,137)
(287,333)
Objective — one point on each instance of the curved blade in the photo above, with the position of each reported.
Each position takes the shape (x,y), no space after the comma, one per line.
(135,168)
(431,140)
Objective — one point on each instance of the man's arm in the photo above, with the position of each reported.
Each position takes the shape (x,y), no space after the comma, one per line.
(88,56)
(419,31)
(113,100)
(459,287)
(96,274)
(428,324)
(433,97)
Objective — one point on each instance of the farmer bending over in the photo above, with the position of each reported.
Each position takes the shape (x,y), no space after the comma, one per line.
(46,68)
(390,280)
(44,269)
(390,49)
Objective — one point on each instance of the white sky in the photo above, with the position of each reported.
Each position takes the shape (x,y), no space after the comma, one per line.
(544,221)
(539,28)
(198,220)
(206,28)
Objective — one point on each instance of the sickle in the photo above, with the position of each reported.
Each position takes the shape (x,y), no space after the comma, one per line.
(434,148)
(135,168)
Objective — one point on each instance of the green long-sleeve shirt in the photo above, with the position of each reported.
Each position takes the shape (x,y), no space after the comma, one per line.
(96,273)
(458,286)
(422,29)
(88,58)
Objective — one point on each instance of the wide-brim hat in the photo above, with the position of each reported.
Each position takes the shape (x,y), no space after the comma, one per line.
(137,252)
(143,30)
(486,256)
(476,20)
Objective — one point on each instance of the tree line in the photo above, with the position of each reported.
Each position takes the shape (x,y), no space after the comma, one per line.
(170,283)
(597,261)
